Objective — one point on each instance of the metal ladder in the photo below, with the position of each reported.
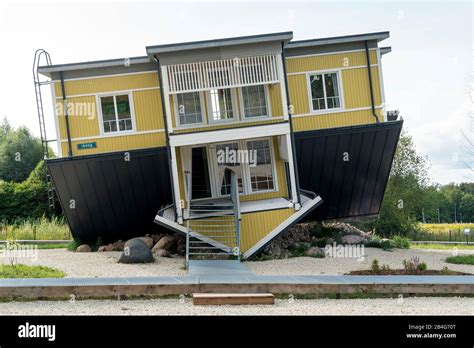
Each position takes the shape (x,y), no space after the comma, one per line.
(39,55)
(214,227)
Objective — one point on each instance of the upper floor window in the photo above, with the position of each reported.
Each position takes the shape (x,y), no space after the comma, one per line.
(116,113)
(324,91)
(189,108)
(221,104)
(254,101)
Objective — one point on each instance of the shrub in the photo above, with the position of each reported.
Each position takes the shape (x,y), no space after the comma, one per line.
(461,259)
(413,264)
(401,242)
(375,266)
(386,244)
(422,267)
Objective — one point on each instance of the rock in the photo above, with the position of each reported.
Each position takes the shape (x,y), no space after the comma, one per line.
(117,246)
(84,248)
(168,242)
(314,252)
(103,248)
(352,239)
(161,252)
(147,240)
(136,251)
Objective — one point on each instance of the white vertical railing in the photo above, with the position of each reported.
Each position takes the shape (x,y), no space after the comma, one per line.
(225,73)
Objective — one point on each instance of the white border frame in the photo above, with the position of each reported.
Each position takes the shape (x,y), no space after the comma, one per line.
(267,104)
(100,116)
(190,125)
(235,108)
(339,85)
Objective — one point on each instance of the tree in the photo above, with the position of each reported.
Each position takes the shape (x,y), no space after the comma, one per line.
(20,152)
(408,179)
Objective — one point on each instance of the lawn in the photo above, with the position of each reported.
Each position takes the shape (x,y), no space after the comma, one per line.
(441,246)
(461,259)
(443,232)
(24,271)
(41,229)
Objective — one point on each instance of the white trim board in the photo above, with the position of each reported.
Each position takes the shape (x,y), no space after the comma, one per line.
(229,134)
(329,53)
(337,111)
(339,68)
(110,75)
(115,135)
(106,93)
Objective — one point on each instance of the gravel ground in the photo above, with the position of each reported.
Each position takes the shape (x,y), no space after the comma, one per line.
(406,306)
(331,265)
(104,264)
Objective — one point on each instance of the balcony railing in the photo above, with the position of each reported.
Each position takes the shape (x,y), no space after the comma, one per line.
(226,73)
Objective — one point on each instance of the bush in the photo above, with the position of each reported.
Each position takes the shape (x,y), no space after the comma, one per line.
(413,264)
(386,244)
(40,229)
(401,242)
(461,259)
(422,267)
(375,266)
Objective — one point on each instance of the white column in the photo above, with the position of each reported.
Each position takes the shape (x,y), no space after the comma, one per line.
(165,89)
(294,195)
(281,77)
(177,194)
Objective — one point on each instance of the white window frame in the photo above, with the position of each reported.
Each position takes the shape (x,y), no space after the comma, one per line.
(235,107)
(246,180)
(338,73)
(101,118)
(267,102)
(176,112)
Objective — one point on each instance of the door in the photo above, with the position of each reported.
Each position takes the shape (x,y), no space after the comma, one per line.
(200,182)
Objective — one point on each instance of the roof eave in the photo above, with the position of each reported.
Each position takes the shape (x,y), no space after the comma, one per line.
(379,36)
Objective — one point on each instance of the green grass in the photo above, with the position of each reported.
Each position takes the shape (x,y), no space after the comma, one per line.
(52,246)
(461,259)
(441,246)
(24,271)
(41,229)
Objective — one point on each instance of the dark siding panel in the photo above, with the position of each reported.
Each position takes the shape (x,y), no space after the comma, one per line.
(352,188)
(115,199)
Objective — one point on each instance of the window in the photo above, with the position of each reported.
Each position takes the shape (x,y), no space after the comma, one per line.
(261,174)
(227,157)
(221,105)
(324,91)
(189,108)
(254,101)
(116,113)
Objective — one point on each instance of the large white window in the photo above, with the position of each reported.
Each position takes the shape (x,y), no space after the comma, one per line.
(221,105)
(254,101)
(188,108)
(116,113)
(261,173)
(251,160)
(324,91)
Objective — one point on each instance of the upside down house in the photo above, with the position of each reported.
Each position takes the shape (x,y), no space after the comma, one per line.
(229,141)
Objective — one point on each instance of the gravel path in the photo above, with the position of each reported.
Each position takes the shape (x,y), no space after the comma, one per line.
(331,265)
(407,306)
(104,264)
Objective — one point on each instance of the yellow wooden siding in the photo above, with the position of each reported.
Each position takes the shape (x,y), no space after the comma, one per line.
(329,61)
(298,94)
(356,88)
(118,143)
(255,226)
(331,120)
(83,117)
(107,84)
(148,111)
(274,95)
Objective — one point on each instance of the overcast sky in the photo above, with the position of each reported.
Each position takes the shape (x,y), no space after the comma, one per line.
(428,75)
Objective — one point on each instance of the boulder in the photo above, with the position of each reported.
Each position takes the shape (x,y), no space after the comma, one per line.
(161,252)
(168,242)
(117,246)
(136,252)
(147,240)
(352,239)
(84,248)
(315,252)
(103,248)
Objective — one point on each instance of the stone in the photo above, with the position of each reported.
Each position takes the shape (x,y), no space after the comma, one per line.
(117,246)
(103,248)
(136,252)
(161,252)
(168,243)
(352,239)
(84,248)
(314,252)
(147,240)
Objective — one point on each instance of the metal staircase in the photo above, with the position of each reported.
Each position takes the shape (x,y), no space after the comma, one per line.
(39,56)
(213,226)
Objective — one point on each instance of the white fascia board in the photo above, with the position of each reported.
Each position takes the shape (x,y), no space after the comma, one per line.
(230,134)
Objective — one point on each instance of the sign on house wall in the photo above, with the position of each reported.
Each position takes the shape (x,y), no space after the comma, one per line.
(85,146)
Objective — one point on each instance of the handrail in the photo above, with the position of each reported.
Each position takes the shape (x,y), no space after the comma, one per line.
(162,210)
(187,180)
(234,195)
